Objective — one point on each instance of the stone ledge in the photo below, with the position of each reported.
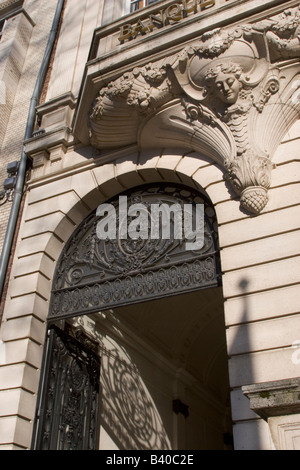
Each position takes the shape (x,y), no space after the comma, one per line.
(278,398)
(56,113)
(47,140)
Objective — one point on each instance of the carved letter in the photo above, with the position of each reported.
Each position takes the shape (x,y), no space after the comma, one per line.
(173,13)
(157,21)
(190,6)
(207,4)
(139,28)
(125,32)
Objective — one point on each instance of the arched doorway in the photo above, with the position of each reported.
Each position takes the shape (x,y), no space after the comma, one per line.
(148,309)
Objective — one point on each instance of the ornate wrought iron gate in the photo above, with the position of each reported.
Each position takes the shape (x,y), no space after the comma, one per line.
(94,274)
(68,398)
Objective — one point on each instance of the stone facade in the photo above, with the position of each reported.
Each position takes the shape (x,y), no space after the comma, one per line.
(205,97)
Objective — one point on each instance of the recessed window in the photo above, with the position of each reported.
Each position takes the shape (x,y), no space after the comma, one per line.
(138,4)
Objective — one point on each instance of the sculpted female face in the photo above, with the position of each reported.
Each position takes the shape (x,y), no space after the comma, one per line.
(227,87)
(223,83)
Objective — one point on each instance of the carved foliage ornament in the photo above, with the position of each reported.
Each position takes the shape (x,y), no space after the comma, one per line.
(229,96)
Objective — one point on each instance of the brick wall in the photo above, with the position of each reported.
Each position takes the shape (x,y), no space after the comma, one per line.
(22,74)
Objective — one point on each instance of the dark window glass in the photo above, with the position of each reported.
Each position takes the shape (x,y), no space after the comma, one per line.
(138,4)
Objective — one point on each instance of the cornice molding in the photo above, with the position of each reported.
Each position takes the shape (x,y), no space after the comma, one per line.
(278,398)
(8,4)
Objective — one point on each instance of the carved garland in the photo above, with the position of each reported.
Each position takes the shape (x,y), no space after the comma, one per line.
(226,96)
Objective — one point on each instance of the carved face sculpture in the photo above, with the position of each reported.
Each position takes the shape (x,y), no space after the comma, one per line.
(227,88)
(223,82)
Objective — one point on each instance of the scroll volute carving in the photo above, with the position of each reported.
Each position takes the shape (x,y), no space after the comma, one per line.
(222,96)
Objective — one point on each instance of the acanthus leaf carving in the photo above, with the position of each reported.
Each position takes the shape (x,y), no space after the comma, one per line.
(250,175)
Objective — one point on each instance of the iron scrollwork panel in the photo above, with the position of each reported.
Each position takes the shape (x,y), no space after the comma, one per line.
(68,409)
(94,274)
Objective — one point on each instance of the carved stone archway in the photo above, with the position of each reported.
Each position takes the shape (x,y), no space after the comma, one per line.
(98,280)
(94,274)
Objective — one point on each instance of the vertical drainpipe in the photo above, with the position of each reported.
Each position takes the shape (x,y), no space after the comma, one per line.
(19,187)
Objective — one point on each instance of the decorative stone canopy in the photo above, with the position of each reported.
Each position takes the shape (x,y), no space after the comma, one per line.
(231,95)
